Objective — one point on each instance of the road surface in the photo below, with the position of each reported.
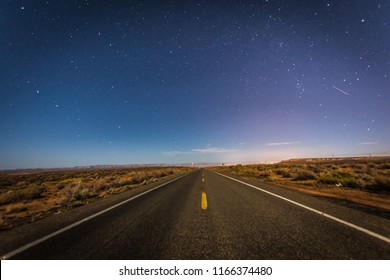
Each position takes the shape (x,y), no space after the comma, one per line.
(204,215)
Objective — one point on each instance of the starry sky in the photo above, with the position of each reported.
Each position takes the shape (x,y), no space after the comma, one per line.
(123,82)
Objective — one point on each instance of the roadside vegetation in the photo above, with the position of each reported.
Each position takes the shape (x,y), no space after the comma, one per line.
(28,197)
(362,180)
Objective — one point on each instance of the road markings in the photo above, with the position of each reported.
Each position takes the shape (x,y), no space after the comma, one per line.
(42,239)
(366,231)
(204,201)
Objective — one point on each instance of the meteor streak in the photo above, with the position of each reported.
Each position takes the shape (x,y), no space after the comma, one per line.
(346,93)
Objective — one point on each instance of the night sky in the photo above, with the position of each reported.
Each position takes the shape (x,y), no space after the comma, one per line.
(124,82)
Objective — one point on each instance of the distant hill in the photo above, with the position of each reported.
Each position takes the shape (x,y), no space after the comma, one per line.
(336,159)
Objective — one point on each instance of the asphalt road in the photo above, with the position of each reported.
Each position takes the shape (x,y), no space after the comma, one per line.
(204,215)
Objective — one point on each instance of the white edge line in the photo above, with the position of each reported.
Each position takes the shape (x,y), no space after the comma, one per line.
(42,239)
(369,232)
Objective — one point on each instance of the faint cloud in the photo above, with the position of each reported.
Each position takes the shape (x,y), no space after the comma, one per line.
(368,143)
(282,143)
(171,153)
(175,153)
(208,150)
(212,150)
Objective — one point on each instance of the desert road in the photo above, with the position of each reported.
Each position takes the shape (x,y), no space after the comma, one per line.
(205,215)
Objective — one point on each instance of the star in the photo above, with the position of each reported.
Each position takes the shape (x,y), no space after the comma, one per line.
(147,74)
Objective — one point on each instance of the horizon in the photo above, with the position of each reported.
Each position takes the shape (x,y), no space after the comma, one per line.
(199,164)
(144,83)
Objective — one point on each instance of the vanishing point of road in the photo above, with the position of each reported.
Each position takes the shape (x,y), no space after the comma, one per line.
(204,215)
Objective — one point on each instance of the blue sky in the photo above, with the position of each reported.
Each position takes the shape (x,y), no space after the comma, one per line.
(92,82)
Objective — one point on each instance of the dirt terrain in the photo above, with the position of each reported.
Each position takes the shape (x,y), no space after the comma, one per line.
(362,180)
(27,197)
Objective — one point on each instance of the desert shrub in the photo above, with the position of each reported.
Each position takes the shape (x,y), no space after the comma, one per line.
(346,179)
(331,166)
(380,183)
(60,186)
(124,181)
(110,179)
(384,166)
(6,183)
(34,192)
(283,172)
(305,175)
(353,183)
(382,173)
(115,184)
(83,193)
(366,178)
(112,191)
(138,179)
(21,184)
(258,168)
(328,179)
(359,167)
(70,194)
(314,168)
(264,174)
(101,185)
(65,195)
(12,209)
(28,193)
(9,197)
(76,203)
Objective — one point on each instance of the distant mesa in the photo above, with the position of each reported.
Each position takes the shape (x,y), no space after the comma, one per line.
(334,159)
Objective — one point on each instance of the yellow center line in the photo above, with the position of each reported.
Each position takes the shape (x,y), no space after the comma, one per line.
(204,201)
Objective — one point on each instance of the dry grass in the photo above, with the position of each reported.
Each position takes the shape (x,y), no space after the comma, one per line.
(28,197)
(362,180)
